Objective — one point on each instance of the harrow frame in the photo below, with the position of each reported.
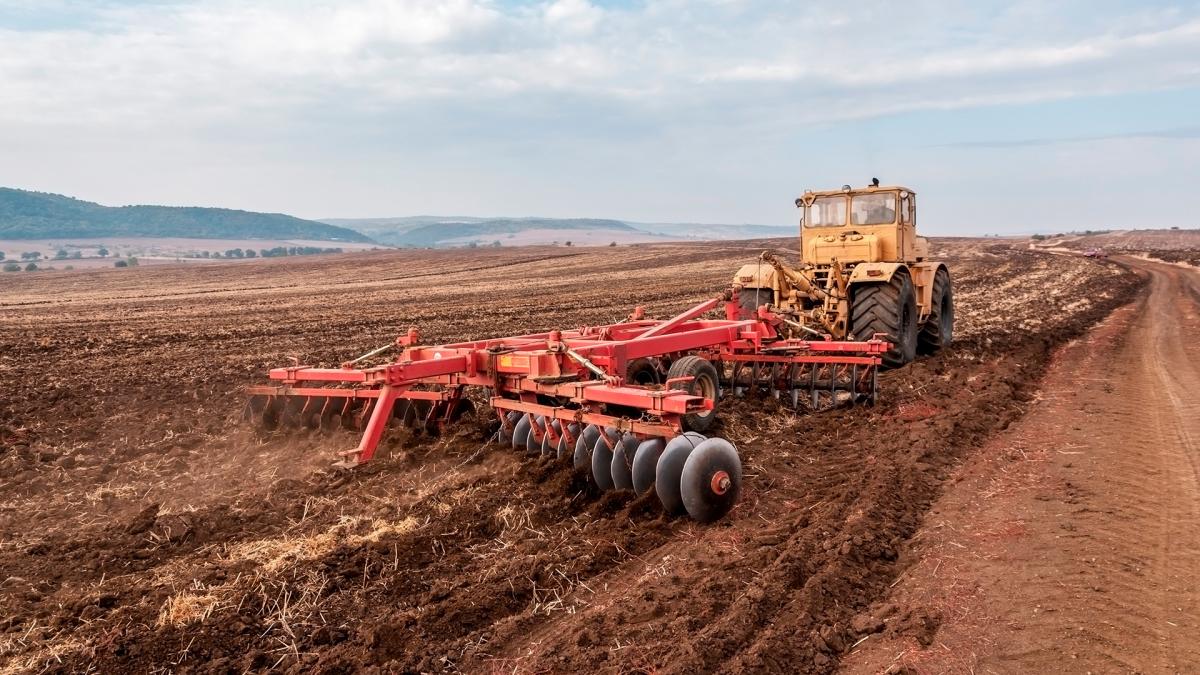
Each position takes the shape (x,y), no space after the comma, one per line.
(573,376)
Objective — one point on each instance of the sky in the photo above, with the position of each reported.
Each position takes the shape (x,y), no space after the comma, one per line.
(1011,117)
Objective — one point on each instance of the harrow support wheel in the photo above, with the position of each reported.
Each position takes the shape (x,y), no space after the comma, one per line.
(669,471)
(711,480)
(621,468)
(645,460)
(644,372)
(704,383)
(582,459)
(891,308)
(938,330)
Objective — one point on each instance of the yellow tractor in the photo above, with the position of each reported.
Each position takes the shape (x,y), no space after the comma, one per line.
(862,271)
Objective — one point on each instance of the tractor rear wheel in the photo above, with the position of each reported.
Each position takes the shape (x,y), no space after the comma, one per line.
(703,383)
(750,299)
(889,308)
(939,327)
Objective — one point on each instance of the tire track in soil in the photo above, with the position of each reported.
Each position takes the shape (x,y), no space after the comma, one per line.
(1084,557)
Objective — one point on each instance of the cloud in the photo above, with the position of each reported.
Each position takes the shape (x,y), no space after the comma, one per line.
(252,97)
(1179,133)
(214,57)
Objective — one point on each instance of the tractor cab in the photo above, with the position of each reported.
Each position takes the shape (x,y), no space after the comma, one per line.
(870,224)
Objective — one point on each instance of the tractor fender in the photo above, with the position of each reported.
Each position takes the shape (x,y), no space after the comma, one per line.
(755,275)
(874,272)
(922,274)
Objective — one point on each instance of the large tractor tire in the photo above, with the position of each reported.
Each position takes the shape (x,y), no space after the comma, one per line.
(750,299)
(704,383)
(938,330)
(889,308)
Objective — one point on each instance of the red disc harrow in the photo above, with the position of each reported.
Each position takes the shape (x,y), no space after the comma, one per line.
(628,401)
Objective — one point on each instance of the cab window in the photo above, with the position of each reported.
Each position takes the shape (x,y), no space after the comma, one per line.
(873,209)
(827,212)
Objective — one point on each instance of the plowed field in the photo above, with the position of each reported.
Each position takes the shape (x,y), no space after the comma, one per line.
(144,528)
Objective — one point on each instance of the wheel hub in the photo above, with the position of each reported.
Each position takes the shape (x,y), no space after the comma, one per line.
(720,482)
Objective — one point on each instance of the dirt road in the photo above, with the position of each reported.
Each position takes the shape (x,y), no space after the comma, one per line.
(1072,541)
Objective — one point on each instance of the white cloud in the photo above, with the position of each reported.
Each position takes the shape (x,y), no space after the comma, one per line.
(446,84)
(578,17)
(200,59)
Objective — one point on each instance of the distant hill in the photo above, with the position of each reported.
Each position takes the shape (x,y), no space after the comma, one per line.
(713,231)
(40,215)
(435,231)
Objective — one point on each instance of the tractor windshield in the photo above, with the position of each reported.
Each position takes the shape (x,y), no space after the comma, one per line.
(827,212)
(873,209)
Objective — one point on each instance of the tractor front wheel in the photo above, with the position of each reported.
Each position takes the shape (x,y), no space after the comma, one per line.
(750,299)
(890,308)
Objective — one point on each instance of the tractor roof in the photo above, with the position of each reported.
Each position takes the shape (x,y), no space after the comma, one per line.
(846,189)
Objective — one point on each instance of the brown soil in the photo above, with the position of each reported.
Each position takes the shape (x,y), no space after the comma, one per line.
(1169,245)
(1082,554)
(143,528)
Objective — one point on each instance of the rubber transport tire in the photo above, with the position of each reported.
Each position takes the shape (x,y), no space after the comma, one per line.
(643,372)
(705,383)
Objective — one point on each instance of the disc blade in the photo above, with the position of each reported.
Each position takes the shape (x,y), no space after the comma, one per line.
(621,468)
(582,460)
(602,459)
(520,432)
(711,480)
(669,470)
(645,461)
